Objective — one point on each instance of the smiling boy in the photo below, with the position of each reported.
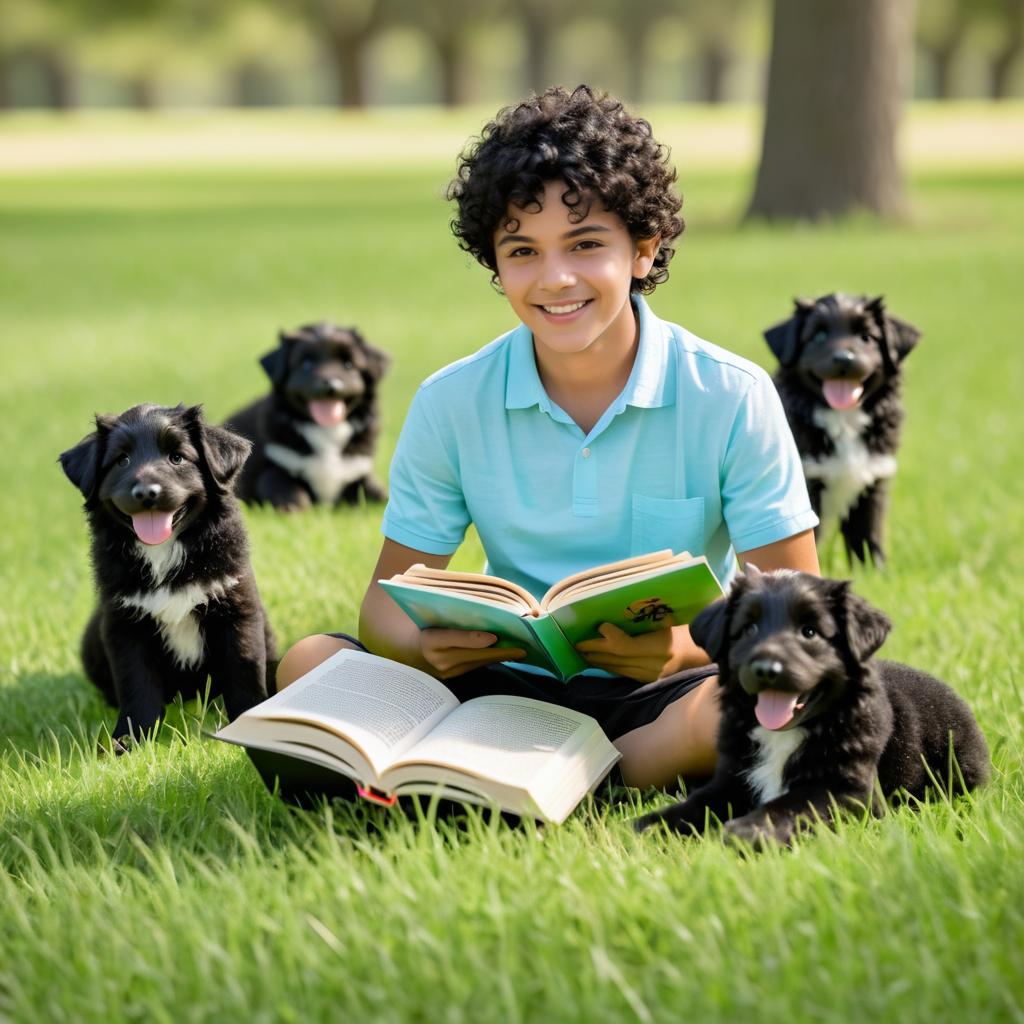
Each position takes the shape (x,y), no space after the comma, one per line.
(592,432)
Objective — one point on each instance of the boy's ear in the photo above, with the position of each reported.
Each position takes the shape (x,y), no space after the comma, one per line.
(646,251)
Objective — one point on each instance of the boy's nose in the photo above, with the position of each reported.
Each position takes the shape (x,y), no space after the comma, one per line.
(557,276)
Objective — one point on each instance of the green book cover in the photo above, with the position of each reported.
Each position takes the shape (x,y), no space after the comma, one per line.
(654,598)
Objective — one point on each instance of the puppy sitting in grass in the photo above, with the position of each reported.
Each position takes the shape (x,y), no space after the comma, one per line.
(177,596)
(840,369)
(809,722)
(315,434)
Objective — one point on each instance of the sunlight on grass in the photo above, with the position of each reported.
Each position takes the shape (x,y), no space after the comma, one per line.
(169,885)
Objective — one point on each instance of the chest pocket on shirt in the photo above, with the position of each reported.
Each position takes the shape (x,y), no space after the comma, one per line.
(676,523)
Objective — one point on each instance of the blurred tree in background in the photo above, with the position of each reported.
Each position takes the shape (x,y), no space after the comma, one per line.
(354,53)
(836,87)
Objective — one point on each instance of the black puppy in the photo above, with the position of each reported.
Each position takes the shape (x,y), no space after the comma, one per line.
(808,721)
(839,381)
(177,597)
(314,435)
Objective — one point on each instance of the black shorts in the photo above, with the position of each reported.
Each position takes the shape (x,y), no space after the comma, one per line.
(619,704)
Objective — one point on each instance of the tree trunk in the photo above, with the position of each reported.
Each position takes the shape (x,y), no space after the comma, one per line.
(5,96)
(1002,64)
(59,75)
(713,67)
(942,62)
(144,92)
(347,53)
(836,86)
(449,53)
(538,35)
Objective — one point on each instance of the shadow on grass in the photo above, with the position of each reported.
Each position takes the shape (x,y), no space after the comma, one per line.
(37,709)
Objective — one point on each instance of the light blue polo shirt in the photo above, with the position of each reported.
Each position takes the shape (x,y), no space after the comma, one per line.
(695,454)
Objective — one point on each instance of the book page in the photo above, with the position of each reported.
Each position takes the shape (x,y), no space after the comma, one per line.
(509,739)
(424,575)
(609,571)
(380,706)
(620,578)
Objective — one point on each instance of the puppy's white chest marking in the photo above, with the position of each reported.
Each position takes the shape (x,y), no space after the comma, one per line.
(327,471)
(161,559)
(173,610)
(851,469)
(774,749)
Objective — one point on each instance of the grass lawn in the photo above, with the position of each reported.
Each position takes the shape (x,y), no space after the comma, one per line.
(170,886)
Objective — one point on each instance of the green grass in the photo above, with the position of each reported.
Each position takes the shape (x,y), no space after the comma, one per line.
(170,886)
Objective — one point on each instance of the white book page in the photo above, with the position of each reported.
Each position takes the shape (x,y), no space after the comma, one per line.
(381,706)
(509,739)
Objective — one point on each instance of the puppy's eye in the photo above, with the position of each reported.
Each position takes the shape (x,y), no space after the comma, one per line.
(809,631)
(176,459)
(865,336)
(307,363)
(123,461)
(347,364)
(750,629)
(820,336)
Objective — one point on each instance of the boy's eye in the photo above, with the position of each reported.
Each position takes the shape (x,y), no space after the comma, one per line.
(588,243)
(521,251)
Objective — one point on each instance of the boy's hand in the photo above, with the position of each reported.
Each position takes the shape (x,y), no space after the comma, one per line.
(453,652)
(646,657)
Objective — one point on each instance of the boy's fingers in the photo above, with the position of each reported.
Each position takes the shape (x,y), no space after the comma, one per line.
(472,638)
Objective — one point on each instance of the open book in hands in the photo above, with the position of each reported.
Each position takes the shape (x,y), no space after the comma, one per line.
(638,595)
(394,730)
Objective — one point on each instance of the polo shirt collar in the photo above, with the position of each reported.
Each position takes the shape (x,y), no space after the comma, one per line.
(650,384)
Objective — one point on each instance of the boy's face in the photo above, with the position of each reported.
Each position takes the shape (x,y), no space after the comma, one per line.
(569,281)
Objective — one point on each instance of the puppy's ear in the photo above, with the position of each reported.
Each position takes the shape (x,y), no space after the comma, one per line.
(898,336)
(81,464)
(709,629)
(275,362)
(865,626)
(376,361)
(223,450)
(784,339)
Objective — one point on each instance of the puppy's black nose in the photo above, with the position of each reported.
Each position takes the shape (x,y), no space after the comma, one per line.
(335,386)
(766,670)
(146,493)
(841,359)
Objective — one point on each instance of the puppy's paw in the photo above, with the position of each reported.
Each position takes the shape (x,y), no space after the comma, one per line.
(674,818)
(756,831)
(115,746)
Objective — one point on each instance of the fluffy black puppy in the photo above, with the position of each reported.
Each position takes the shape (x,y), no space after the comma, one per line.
(314,435)
(809,722)
(177,597)
(839,381)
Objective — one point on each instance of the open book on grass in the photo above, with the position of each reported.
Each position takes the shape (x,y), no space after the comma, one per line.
(637,594)
(394,730)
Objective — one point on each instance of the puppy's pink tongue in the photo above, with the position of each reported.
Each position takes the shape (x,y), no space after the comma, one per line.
(328,412)
(152,527)
(775,708)
(842,394)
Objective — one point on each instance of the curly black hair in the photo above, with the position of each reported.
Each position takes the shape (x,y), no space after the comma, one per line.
(588,140)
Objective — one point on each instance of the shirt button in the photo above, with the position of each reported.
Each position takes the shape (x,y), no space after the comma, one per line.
(586,453)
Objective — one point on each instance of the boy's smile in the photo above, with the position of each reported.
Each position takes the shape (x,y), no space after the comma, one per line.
(569,280)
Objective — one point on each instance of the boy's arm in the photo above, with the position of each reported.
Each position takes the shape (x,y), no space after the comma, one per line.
(386,630)
(654,655)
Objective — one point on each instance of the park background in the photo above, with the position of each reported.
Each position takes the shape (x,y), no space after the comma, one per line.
(177,183)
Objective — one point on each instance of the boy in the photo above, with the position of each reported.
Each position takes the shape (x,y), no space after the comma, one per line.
(592,432)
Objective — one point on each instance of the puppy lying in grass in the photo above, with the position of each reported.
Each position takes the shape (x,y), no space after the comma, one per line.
(809,722)
(177,596)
